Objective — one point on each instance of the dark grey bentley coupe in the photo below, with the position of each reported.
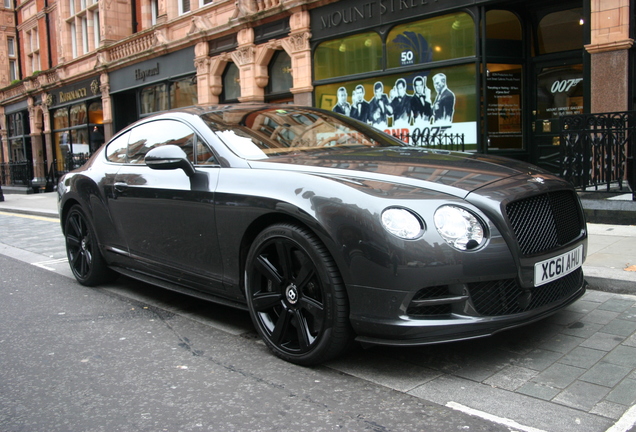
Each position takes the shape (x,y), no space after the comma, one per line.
(324,228)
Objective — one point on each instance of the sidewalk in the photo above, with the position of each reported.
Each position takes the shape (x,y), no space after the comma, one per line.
(610,264)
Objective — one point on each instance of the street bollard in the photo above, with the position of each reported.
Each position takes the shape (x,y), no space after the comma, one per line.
(1,195)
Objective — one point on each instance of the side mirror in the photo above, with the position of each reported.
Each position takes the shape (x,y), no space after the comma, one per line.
(169,157)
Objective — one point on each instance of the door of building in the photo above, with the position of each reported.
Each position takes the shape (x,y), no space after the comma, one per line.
(558,90)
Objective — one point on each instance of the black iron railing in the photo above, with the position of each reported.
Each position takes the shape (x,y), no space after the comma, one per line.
(452,142)
(21,173)
(16,173)
(597,150)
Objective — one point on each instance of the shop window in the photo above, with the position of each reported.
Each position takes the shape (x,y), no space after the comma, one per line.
(504,106)
(95,125)
(183,93)
(351,55)
(78,114)
(60,119)
(441,38)
(503,34)
(280,77)
(154,98)
(95,113)
(561,31)
(231,83)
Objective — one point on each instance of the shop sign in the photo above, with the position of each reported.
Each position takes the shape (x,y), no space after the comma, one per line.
(72,95)
(345,17)
(78,91)
(560,92)
(141,74)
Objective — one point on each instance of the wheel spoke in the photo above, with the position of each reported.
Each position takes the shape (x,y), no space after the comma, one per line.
(312,307)
(75,224)
(83,264)
(265,301)
(267,269)
(305,273)
(281,326)
(285,259)
(72,241)
(302,331)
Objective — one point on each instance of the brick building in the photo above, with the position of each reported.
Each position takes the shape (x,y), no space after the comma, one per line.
(500,73)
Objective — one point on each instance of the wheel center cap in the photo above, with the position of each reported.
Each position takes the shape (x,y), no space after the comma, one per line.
(83,244)
(291,292)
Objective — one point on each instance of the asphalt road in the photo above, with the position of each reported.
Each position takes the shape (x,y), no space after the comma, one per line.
(132,357)
(79,359)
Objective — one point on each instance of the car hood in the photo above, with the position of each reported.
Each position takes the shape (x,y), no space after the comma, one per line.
(451,172)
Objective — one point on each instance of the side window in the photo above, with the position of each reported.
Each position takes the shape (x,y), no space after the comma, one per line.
(116,150)
(153,134)
(204,154)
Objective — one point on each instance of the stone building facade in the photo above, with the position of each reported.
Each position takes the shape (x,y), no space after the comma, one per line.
(84,69)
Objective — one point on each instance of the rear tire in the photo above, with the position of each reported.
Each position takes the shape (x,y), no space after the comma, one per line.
(86,261)
(296,296)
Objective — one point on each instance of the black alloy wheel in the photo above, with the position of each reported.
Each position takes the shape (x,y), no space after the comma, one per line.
(296,297)
(87,263)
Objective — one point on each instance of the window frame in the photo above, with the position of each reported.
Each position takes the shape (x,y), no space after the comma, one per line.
(182,7)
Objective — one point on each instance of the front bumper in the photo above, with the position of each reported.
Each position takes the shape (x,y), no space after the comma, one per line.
(465,311)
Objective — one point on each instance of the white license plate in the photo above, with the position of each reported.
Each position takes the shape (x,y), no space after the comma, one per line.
(554,268)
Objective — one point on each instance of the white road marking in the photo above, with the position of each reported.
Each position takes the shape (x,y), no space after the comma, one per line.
(504,421)
(45,264)
(626,422)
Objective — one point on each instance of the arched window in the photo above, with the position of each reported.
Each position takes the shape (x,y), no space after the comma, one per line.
(231,84)
(503,34)
(441,38)
(280,78)
(561,31)
(350,55)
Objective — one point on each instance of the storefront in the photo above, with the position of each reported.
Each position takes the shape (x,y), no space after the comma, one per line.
(498,76)
(17,170)
(152,86)
(77,120)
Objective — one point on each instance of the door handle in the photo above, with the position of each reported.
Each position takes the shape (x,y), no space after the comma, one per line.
(120,187)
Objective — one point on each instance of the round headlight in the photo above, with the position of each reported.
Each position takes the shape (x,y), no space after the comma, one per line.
(460,228)
(401,223)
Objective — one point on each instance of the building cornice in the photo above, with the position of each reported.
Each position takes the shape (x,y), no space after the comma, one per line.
(609,46)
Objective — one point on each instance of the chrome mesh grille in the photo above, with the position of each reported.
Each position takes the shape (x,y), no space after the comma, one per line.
(544,222)
(505,297)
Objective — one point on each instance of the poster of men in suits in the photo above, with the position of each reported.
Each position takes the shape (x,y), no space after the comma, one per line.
(410,108)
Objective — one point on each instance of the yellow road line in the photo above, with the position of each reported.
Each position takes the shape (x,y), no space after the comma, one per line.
(42,218)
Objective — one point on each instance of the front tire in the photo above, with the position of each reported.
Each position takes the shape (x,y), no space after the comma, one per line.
(296,297)
(86,261)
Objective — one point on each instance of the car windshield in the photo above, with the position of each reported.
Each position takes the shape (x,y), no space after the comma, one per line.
(259,134)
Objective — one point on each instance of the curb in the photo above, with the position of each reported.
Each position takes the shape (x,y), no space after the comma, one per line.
(610,280)
(27,211)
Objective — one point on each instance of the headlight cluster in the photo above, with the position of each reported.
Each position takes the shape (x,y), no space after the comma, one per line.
(402,223)
(457,226)
(460,228)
